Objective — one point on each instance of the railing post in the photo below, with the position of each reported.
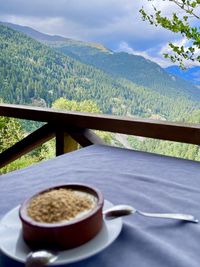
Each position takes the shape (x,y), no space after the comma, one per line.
(64,142)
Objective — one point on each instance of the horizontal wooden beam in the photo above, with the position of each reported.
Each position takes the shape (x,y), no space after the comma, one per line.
(173,131)
(27,144)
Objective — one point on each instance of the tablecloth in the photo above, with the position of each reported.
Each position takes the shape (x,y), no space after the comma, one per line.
(147,181)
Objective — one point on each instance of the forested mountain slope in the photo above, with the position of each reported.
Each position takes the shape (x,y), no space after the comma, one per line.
(31,72)
(137,69)
(134,68)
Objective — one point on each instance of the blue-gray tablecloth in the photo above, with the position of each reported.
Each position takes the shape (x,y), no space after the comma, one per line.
(148,181)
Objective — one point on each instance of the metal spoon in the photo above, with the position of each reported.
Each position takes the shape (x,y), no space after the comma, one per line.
(40,258)
(43,257)
(123,210)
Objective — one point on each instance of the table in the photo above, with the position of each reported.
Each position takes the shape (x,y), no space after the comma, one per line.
(147,181)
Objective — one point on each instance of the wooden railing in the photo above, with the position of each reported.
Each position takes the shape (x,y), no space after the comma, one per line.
(72,128)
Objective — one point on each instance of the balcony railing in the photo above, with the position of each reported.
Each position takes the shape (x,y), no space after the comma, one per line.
(72,128)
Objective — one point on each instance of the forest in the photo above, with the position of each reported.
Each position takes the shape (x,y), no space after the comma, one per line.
(33,73)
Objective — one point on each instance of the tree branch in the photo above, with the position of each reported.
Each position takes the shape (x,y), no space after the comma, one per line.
(186,7)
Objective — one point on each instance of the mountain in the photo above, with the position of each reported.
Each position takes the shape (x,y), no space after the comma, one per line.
(134,68)
(137,69)
(34,73)
(191,74)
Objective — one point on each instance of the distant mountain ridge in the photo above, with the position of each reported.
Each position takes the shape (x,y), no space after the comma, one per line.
(47,38)
(33,33)
(191,74)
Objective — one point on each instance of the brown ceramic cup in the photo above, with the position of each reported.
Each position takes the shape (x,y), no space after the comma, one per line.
(66,234)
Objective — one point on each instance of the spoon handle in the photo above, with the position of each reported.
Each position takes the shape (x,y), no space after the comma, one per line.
(176,216)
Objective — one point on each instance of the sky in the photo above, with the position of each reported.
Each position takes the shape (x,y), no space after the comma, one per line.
(117,24)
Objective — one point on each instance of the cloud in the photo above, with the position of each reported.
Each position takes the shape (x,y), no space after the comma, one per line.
(99,15)
(148,54)
(155,54)
(110,22)
(86,19)
(84,12)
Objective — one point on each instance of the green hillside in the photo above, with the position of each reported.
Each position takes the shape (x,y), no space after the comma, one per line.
(33,73)
(137,69)
(170,148)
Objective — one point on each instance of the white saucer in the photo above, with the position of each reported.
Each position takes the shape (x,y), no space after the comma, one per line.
(12,244)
